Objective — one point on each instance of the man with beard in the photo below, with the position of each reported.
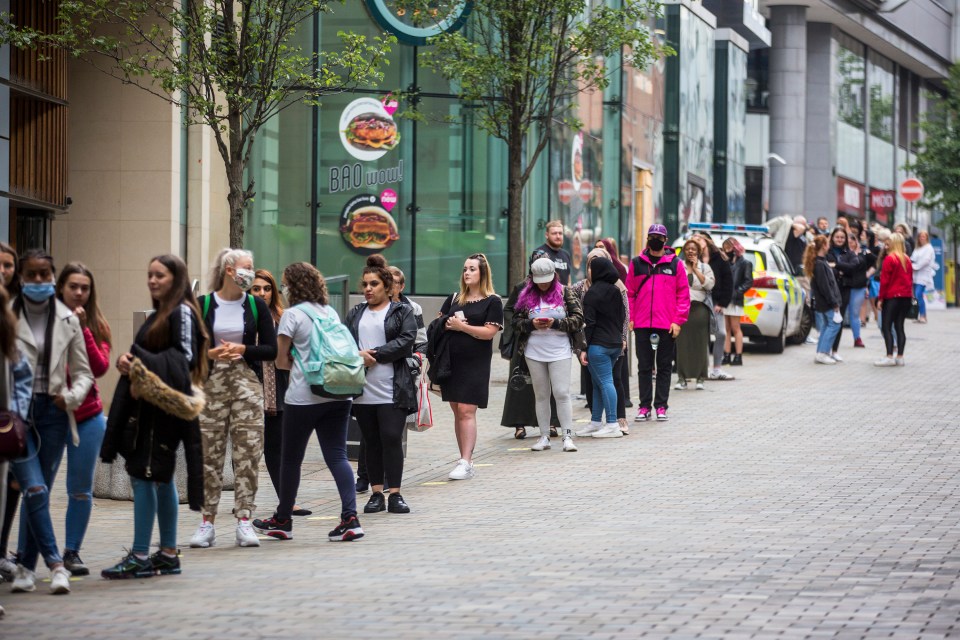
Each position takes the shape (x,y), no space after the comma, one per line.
(555,251)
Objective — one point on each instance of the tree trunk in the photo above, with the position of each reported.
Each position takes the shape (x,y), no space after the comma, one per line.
(517,256)
(236,199)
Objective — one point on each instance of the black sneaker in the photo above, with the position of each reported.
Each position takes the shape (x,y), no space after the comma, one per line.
(129,567)
(376,504)
(396,504)
(279,529)
(348,530)
(73,563)
(363,485)
(164,564)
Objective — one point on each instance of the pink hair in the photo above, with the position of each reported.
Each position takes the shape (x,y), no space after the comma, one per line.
(531,295)
(735,245)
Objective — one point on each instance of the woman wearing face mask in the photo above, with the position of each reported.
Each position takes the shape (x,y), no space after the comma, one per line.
(243,336)
(741,271)
(386,332)
(549,324)
(77,290)
(11,282)
(50,336)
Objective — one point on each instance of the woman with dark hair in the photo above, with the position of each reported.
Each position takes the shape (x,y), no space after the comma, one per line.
(386,334)
(621,370)
(855,278)
(548,322)
(274,386)
(77,289)
(603,315)
(154,410)
(305,413)
(741,270)
(11,282)
(520,403)
(721,295)
(50,336)
(826,296)
(242,336)
(845,265)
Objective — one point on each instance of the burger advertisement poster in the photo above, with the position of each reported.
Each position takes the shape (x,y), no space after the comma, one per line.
(366,225)
(367,129)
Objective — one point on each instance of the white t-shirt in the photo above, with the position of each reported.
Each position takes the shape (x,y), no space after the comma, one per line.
(228,321)
(378,388)
(297,325)
(548,345)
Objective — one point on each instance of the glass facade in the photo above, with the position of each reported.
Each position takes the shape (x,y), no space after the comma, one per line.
(736,134)
(696,119)
(882,82)
(849,83)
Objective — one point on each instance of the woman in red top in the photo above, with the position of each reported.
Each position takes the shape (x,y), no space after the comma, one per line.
(896,296)
(76,289)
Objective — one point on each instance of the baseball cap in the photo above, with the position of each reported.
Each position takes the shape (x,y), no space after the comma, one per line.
(542,270)
(657,230)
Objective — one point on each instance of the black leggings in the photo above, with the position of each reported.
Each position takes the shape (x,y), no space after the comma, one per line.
(892,316)
(272,447)
(844,303)
(382,426)
(329,421)
(13,502)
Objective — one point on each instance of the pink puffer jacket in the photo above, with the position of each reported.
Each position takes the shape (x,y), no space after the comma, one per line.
(658,291)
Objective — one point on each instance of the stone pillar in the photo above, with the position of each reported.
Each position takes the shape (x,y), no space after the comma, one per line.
(788,102)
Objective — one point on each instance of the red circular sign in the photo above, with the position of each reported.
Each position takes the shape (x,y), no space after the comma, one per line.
(565,191)
(586,190)
(911,189)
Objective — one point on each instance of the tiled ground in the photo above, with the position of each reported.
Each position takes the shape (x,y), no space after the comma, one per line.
(800,501)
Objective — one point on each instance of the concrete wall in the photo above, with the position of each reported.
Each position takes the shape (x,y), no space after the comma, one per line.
(819,174)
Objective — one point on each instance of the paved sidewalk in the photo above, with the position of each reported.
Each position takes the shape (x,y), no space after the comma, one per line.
(800,501)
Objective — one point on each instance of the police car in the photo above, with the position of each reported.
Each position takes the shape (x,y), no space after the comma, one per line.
(776,308)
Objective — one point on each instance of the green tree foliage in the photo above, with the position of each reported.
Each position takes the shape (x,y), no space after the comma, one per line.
(231,64)
(524,62)
(937,162)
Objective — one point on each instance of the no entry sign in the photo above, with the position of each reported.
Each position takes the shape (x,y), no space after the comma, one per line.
(911,189)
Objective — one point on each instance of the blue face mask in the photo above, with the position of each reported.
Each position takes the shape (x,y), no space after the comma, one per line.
(38,292)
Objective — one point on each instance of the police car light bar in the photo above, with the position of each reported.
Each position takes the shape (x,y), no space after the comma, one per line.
(728,228)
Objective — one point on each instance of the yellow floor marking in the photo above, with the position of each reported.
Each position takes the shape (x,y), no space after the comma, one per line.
(323,518)
(435,483)
(519,449)
(484,464)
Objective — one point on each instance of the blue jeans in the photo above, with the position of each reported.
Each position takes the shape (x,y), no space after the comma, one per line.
(828,330)
(35,473)
(853,310)
(918,291)
(81,464)
(154,499)
(600,361)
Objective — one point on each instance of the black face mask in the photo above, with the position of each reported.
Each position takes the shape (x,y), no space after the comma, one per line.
(732,255)
(655,243)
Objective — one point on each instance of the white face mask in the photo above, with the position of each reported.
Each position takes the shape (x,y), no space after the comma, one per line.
(244,278)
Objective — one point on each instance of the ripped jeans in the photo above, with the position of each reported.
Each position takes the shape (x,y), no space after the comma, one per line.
(35,474)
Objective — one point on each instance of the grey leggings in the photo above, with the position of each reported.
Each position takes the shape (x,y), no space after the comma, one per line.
(718,329)
(546,376)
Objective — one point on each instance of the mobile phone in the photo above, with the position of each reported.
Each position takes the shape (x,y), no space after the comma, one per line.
(459,314)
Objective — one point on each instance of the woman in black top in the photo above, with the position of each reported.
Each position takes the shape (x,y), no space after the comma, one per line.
(741,270)
(855,277)
(843,263)
(242,337)
(826,296)
(471,319)
(603,316)
(722,294)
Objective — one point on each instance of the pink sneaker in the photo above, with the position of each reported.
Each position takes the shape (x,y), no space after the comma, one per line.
(643,414)
(661,414)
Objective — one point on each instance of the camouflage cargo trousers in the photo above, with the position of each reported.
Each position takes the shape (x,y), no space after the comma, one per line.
(235,409)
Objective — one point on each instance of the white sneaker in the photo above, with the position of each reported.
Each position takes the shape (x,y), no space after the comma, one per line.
(568,444)
(7,567)
(836,356)
(700,386)
(681,385)
(24,580)
(823,358)
(59,581)
(590,430)
(246,536)
(885,362)
(899,361)
(542,443)
(205,536)
(719,374)
(463,470)
(611,430)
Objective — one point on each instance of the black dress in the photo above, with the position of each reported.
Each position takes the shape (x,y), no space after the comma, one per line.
(470,358)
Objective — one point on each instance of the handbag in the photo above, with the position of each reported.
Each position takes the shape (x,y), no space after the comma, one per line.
(520,377)
(508,341)
(423,418)
(914,311)
(13,430)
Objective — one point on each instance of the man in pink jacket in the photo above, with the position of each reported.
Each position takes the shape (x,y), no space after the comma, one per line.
(659,304)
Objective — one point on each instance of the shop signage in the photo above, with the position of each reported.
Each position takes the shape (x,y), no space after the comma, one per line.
(415,26)
(911,189)
(586,190)
(883,203)
(849,197)
(565,191)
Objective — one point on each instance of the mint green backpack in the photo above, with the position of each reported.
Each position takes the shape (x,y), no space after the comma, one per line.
(332,367)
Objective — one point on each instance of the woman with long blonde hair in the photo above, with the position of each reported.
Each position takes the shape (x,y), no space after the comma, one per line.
(896,297)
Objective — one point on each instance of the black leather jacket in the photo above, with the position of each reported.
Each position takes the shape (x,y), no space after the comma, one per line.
(742,271)
(400,328)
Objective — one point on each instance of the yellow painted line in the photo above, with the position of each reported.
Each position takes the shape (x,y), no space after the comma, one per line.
(519,449)
(434,484)
(485,464)
(323,518)
(584,421)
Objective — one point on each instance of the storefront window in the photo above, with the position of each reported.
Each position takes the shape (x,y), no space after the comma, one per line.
(736,134)
(880,74)
(849,80)
(758,80)
(696,119)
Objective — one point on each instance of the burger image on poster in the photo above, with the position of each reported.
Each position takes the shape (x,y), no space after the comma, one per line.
(367,130)
(576,161)
(366,226)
